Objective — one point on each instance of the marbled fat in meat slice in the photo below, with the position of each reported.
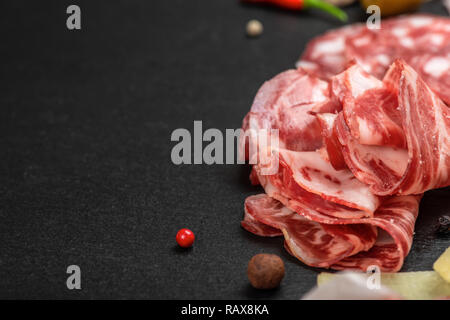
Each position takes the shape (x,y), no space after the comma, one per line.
(426,122)
(317,176)
(434,68)
(256,227)
(310,235)
(283,185)
(332,150)
(372,165)
(420,39)
(309,241)
(425,164)
(371,49)
(284,103)
(325,56)
(396,217)
(369,108)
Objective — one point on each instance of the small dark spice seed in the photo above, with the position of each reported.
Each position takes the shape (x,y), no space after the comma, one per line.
(443,226)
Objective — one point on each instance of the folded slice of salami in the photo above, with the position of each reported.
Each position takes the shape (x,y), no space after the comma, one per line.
(357,244)
(409,152)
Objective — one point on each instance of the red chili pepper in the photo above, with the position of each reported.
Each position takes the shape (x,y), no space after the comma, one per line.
(287,4)
(305,4)
(185,238)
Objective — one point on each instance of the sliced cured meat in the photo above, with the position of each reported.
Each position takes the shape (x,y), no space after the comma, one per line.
(372,49)
(426,121)
(419,33)
(284,103)
(254,226)
(426,126)
(396,217)
(311,242)
(317,176)
(359,92)
(325,56)
(421,40)
(353,82)
(372,165)
(300,197)
(333,148)
(283,184)
(434,68)
(354,153)
(402,37)
(322,241)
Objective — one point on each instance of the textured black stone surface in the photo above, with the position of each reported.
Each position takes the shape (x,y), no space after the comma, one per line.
(85,171)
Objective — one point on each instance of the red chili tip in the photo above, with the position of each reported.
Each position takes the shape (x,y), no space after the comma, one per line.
(185,238)
(286,4)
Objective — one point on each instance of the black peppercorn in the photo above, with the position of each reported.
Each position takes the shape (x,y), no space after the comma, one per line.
(443,226)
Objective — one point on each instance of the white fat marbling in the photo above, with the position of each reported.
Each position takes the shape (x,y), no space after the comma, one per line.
(437,66)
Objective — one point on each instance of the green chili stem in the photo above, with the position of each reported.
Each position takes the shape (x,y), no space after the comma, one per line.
(328,7)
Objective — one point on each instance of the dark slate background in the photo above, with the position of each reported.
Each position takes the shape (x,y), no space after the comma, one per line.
(85,171)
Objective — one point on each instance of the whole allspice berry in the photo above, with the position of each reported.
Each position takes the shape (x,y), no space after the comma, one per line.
(265,271)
